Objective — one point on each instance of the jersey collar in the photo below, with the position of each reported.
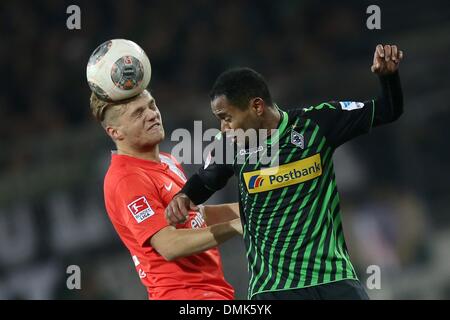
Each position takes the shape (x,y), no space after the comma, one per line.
(122,158)
(281,127)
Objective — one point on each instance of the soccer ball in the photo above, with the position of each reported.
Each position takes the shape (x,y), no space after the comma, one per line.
(118,69)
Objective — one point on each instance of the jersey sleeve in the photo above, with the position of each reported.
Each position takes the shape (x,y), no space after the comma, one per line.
(340,121)
(140,207)
(215,173)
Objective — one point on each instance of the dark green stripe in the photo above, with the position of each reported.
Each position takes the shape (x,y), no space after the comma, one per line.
(304,239)
(308,258)
(324,267)
(285,188)
(288,211)
(347,267)
(302,236)
(270,261)
(327,263)
(260,257)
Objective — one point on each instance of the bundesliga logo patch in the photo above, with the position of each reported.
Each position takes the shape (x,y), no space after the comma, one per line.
(351,105)
(140,209)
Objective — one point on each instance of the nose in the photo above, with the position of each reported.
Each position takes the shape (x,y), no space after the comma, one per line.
(151,115)
(224,126)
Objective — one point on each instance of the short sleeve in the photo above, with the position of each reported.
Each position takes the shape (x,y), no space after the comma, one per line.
(342,121)
(140,207)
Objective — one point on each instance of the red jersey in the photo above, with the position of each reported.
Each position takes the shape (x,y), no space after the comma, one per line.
(137,192)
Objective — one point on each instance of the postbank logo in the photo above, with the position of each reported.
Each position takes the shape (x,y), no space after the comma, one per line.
(285,175)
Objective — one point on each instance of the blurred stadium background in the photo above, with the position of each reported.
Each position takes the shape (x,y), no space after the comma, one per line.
(393,183)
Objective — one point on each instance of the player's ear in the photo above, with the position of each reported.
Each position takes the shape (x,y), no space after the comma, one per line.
(114,132)
(257,105)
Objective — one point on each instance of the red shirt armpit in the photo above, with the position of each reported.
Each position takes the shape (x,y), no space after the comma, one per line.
(137,192)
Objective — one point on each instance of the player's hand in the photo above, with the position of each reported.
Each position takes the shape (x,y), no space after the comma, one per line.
(386,59)
(178,209)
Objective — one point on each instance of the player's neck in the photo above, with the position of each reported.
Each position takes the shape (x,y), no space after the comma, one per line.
(151,154)
(272,119)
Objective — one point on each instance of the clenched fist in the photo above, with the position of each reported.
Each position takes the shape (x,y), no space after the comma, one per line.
(178,209)
(386,59)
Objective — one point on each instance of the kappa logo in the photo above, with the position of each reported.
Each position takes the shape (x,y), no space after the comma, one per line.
(140,209)
(244,152)
(297,139)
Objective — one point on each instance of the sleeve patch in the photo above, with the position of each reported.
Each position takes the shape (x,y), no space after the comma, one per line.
(351,105)
(140,209)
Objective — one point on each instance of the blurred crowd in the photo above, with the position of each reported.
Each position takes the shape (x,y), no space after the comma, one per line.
(393,182)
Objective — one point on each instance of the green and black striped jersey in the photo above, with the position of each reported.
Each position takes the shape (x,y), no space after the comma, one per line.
(290,204)
(291,216)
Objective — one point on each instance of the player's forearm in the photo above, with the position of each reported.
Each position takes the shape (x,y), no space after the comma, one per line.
(211,178)
(186,242)
(196,190)
(389,107)
(220,213)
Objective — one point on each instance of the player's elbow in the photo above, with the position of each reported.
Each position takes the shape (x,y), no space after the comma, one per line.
(398,111)
(166,243)
(169,253)
(390,111)
(169,256)
(397,116)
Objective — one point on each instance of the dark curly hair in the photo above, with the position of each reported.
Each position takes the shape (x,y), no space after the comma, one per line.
(239,86)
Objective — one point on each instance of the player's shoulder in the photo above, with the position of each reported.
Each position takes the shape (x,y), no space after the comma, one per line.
(124,174)
(168,156)
(308,111)
(326,109)
(304,111)
(335,107)
(169,159)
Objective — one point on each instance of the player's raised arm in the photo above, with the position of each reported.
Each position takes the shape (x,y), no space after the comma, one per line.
(342,121)
(389,106)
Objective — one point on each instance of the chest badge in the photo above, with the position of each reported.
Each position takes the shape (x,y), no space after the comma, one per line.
(297,139)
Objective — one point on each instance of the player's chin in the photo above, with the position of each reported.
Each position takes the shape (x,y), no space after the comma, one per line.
(157,130)
(156,136)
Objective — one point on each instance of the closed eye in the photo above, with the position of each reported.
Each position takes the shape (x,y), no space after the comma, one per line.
(223,117)
(137,113)
(152,104)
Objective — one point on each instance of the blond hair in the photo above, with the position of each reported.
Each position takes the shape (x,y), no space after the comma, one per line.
(106,112)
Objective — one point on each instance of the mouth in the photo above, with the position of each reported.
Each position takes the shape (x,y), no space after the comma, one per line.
(156,125)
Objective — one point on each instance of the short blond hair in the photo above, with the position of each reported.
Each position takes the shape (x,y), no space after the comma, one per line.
(107,111)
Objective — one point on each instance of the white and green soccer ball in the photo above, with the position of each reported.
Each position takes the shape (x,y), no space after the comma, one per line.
(118,69)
